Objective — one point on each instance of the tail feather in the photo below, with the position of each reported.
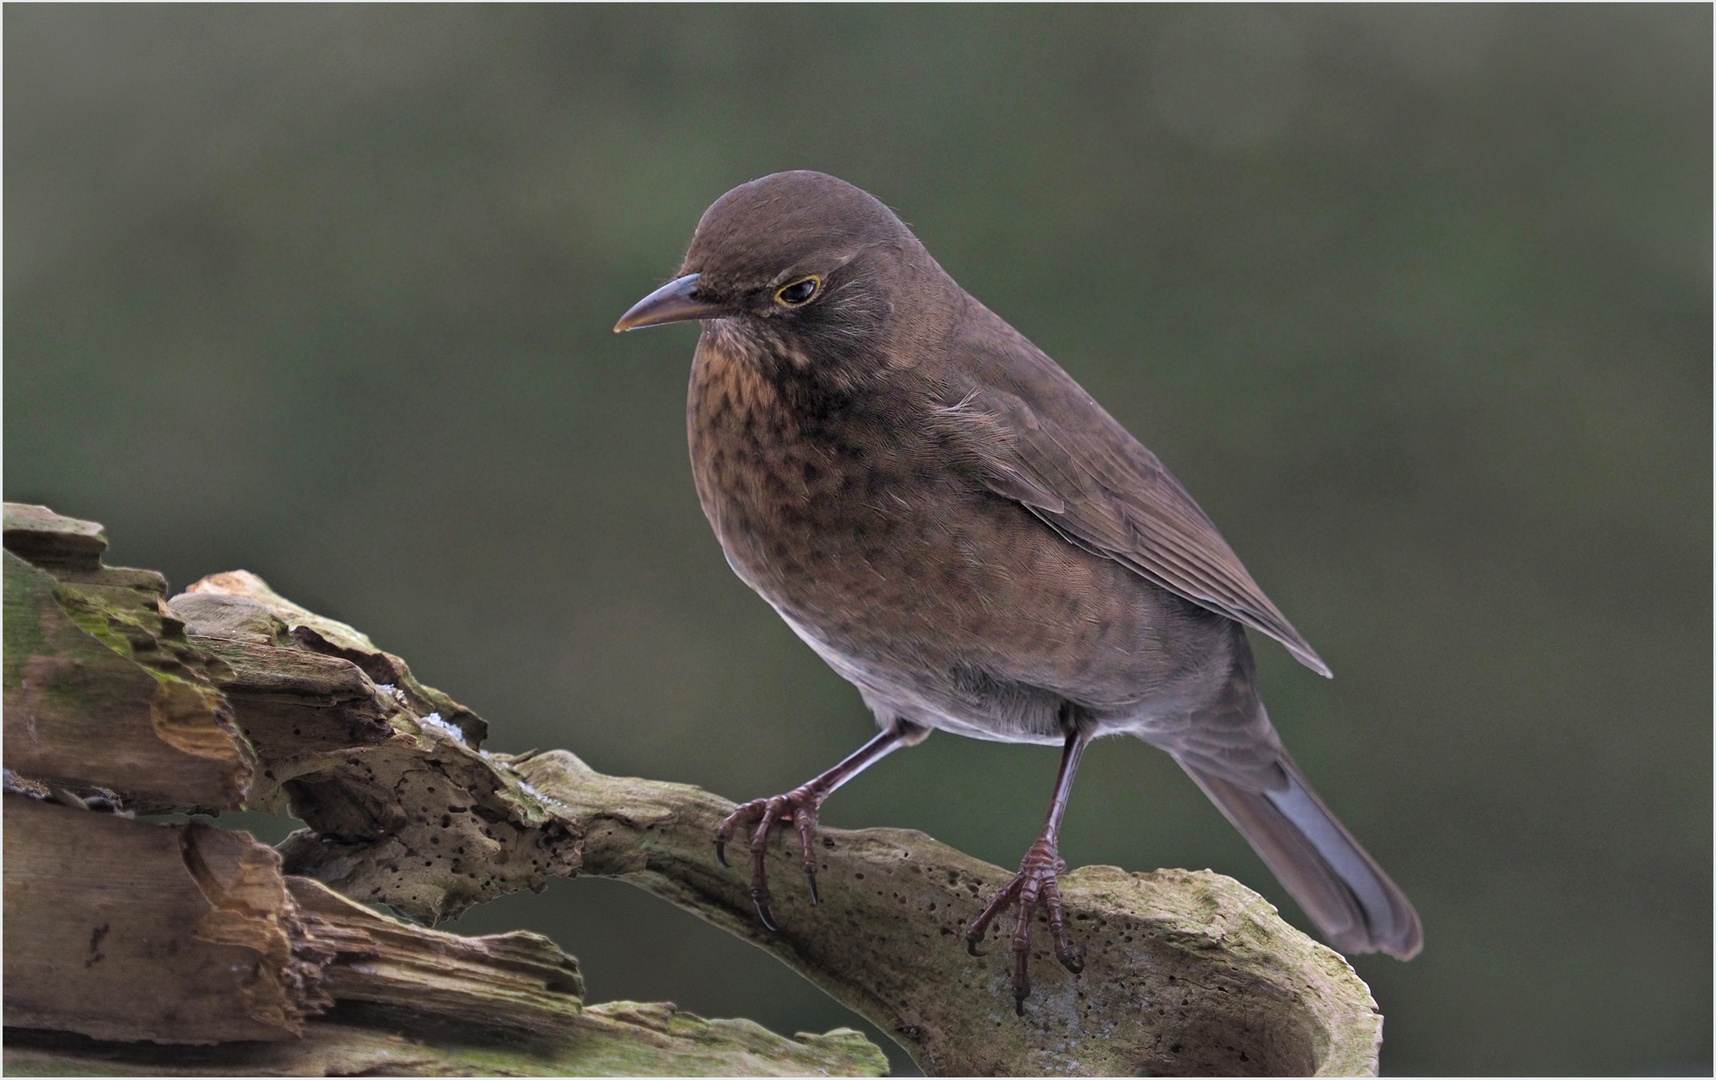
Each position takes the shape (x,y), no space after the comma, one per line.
(1340,886)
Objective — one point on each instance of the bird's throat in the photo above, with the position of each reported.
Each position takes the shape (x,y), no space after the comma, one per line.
(776,458)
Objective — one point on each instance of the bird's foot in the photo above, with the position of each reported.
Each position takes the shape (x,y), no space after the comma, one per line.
(1033,886)
(799,807)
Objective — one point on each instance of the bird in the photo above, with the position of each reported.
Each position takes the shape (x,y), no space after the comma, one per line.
(963,533)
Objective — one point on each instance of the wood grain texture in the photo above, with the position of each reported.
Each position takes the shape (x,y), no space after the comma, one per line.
(620,1038)
(131,944)
(1185,973)
(120,931)
(102,690)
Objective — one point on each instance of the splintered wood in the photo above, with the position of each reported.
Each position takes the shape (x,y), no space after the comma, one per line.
(97,904)
(140,947)
(94,660)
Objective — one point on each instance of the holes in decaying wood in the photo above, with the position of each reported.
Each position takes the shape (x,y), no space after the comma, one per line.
(532,850)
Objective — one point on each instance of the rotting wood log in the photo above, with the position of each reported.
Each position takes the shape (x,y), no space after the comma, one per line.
(617,1038)
(134,947)
(1185,972)
(94,660)
(230,946)
(198,916)
(260,971)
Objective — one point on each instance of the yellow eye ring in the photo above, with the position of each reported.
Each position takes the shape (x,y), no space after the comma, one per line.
(799,293)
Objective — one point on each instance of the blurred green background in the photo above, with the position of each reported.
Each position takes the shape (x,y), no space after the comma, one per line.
(1417,302)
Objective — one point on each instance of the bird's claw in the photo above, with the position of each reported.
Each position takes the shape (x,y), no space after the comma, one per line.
(1074,964)
(798,807)
(764,914)
(1033,886)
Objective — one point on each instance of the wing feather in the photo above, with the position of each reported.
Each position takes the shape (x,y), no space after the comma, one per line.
(1087,478)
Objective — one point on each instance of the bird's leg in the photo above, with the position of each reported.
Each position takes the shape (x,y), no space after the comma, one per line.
(800,807)
(1035,885)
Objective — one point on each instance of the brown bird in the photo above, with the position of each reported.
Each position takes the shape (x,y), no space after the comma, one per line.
(961,531)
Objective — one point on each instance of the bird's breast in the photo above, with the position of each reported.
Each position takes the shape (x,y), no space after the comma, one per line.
(797,496)
(912,578)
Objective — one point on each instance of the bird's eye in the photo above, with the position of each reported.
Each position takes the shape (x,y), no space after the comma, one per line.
(799,293)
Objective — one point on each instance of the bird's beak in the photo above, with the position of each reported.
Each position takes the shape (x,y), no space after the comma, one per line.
(672,302)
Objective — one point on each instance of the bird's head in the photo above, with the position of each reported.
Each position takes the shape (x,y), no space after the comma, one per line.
(802,265)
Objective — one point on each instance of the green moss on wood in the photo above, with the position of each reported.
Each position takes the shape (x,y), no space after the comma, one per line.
(26,590)
(1185,972)
(92,660)
(621,1038)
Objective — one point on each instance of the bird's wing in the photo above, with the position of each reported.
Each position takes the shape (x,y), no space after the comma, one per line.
(1092,482)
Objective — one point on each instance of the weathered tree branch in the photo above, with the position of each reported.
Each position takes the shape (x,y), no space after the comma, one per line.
(92,658)
(145,948)
(184,949)
(1185,972)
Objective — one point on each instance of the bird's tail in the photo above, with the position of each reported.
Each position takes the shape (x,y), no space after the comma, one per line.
(1337,883)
